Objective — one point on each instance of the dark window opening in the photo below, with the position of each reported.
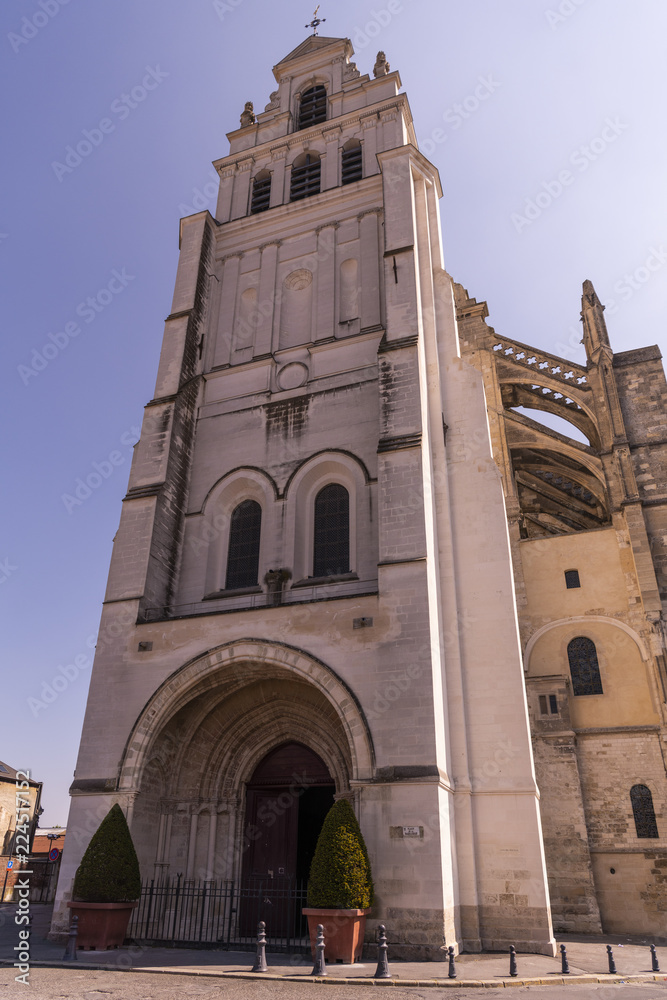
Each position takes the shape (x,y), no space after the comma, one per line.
(313,107)
(351,163)
(261,193)
(332,531)
(572,579)
(548,704)
(643,811)
(243,554)
(584,666)
(305,177)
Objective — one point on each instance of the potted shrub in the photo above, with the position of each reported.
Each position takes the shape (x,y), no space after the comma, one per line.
(340,887)
(107,884)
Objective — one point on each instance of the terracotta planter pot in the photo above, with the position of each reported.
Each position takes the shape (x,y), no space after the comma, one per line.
(343,933)
(101,925)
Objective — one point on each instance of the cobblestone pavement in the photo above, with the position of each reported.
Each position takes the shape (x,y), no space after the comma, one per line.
(90,984)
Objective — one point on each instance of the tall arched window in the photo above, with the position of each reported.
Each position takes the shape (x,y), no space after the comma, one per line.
(332,531)
(305,176)
(643,811)
(584,667)
(351,168)
(261,192)
(243,552)
(313,106)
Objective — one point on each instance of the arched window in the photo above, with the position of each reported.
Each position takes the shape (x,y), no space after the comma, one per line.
(313,107)
(643,811)
(351,162)
(261,192)
(243,552)
(305,176)
(332,531)
(584,667)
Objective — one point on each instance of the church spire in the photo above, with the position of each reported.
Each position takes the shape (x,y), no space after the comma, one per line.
(596,338)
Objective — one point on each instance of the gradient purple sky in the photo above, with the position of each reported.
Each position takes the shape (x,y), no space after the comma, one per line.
(550,77)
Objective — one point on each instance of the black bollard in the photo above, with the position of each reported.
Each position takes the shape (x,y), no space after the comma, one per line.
(319,969)
(610,959)
(70,949)
(654,960)
(260,959)
(382,971)
(452,968)
(564,966)
(513,968)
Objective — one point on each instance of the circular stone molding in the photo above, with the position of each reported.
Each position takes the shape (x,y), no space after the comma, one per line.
(292,376)
(298,280)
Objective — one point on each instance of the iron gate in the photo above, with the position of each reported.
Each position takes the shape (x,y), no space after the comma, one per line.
(221,914)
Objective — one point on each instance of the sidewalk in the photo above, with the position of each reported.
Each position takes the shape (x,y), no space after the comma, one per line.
(587,957)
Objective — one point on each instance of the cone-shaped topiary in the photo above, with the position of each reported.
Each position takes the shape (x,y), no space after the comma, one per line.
(340,873)
(109,869)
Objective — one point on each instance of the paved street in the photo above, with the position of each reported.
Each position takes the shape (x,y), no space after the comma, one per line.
(88,984)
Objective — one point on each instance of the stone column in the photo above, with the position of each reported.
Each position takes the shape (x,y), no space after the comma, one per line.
(212,830)
(325,286)
(192,846)
(225,332)
(278,193)
(241,196)
(330,168)
(224,207)
(266,304)
(370,145)
(370,269)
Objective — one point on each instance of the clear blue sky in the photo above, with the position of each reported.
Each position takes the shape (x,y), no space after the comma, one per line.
(506,96)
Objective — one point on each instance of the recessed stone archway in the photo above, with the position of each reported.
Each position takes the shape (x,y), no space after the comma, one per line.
(209,725)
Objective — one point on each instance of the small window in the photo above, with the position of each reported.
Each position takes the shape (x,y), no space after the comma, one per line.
(572,579)
(584,666)
(261,192)
(243,553)
(313,107)
(643,811)
(305,176)
(548,704)
(351,162)
(332,531)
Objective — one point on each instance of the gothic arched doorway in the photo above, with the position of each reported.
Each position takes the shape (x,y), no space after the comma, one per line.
(287,798)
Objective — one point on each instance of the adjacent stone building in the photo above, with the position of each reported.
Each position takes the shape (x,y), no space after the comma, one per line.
(312,588)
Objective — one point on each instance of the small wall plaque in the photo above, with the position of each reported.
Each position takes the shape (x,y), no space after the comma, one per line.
(412,831)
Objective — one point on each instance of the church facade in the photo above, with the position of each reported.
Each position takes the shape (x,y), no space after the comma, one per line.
(337,552)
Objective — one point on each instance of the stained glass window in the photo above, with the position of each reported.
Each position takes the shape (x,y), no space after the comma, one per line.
(584,667)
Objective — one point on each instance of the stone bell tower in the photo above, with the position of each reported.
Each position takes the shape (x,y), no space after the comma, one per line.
(311,584)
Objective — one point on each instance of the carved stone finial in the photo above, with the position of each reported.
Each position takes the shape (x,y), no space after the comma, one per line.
(381,67)
(248,115)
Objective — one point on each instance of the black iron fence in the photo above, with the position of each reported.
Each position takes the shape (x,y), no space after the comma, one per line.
(221,914)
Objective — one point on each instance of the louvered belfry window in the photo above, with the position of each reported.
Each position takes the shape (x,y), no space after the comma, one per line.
(243,552)
(332,531)
(261,193)
(584,666)
(313,107)
(305,177)
(643,811)
(351,164)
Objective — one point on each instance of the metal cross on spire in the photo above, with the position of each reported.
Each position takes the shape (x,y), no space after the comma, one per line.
(317,21)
